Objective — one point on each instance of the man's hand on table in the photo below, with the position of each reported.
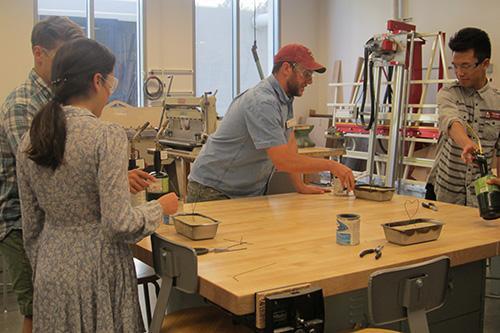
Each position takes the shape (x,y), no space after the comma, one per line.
(344,174)
(311,189)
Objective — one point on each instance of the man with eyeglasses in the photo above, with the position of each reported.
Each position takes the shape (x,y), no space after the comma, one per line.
(256,137)
(16,114)
(468,107)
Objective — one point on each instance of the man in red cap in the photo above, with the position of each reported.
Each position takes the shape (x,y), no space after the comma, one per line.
(256,137)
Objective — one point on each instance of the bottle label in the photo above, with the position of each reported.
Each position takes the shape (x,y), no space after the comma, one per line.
(481,186)
(348,229)
(159,186)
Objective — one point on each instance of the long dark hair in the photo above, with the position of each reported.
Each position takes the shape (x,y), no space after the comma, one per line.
(73,69)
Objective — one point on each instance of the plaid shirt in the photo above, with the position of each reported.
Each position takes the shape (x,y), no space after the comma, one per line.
(16,115)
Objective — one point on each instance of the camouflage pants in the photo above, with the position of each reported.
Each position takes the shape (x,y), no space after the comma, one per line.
(197,192)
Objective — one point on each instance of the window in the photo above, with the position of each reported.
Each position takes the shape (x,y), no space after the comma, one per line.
(116,24)
(214,69)
(225,33)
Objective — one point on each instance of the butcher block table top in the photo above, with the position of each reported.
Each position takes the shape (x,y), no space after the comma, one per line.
(292,240)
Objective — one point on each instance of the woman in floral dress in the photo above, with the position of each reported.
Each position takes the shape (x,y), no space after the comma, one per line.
(77,218)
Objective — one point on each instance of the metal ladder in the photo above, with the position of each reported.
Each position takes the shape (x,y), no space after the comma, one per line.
(394,119)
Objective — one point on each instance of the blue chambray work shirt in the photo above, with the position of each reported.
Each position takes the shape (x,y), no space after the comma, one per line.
(234,159)
(16,115)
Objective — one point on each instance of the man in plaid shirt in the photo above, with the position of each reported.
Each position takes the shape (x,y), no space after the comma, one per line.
(16,115)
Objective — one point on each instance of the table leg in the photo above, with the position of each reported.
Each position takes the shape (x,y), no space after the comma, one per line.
(182,169)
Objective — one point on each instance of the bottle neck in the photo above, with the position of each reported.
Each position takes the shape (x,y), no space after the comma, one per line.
(157,161)
(483,165)
(132,164)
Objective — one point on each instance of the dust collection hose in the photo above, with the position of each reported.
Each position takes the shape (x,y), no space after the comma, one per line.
(365,76)
(367,79)
(153,95)
(372,97)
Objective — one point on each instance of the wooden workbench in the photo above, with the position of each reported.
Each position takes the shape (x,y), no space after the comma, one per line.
(183,159)
(292,240)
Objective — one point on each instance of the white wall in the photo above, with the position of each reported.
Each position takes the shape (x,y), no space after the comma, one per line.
(450,16)
(351,23)
(169,38)
(16,21)
(300,24)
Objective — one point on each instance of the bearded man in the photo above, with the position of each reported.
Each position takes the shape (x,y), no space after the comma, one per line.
(256,138)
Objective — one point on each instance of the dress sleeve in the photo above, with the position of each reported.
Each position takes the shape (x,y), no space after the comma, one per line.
(33,217)
(124,222)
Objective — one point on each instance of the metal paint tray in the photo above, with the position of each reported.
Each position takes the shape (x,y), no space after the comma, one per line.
(412,231)
(374,192)
(195,226)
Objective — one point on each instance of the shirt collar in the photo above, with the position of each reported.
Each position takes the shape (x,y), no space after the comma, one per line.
(484,90)
(481,92)
(283,97)
(75,111)
(38,81)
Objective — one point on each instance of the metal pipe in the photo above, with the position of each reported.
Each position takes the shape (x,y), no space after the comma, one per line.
(373,129)
(407,92)
(397,10)
(204,108)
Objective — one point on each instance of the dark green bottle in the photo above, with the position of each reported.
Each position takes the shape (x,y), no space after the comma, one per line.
(488,196)
(160,187)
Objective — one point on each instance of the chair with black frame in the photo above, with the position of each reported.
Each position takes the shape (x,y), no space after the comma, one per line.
(407,292)
(145,276)
(177,266)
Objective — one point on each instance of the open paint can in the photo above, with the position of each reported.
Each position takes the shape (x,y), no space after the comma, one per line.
(348,229)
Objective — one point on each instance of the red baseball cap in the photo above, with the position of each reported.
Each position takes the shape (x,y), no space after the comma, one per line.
(299,54)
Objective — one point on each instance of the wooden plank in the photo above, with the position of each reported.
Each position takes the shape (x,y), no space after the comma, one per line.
(338,92)
(292,241)
(321,152)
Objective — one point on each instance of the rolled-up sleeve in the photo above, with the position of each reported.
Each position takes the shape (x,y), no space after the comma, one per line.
(265,124)
(447,110)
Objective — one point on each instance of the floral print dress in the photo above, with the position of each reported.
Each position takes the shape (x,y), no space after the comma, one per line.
(77,227)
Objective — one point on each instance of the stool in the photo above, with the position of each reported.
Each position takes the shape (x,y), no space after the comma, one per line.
(177,265)
(145,275)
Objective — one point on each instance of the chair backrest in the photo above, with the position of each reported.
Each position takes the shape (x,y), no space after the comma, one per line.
(408,292)
(177,265)
(177,262)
